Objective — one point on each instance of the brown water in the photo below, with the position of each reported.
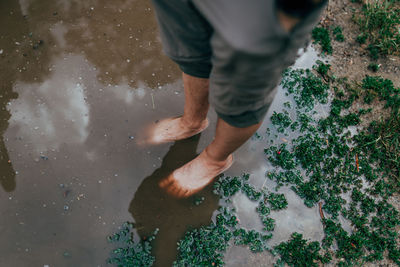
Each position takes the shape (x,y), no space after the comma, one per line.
(79,80)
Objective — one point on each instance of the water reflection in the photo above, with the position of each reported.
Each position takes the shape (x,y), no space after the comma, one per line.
(7,173)
(62,83)
(119,37)
(152,208)
(54,112)
(10,13)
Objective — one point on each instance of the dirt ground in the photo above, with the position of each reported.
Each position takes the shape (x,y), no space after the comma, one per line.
(350,59)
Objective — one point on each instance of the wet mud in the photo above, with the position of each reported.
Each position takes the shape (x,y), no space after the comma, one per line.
(79,81)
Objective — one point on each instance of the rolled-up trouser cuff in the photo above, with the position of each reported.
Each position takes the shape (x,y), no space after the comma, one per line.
(246,118)
(196,68)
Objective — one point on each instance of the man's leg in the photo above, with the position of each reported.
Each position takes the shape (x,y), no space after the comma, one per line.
(194,119)
(196,101)
(214,160)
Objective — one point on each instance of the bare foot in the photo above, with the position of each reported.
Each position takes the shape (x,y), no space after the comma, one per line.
(172,129)
(194,175)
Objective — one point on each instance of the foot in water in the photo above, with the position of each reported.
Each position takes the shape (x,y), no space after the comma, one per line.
(195,175)
(172,129)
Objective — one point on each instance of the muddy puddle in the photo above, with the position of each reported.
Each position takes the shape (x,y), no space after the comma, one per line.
(80,80)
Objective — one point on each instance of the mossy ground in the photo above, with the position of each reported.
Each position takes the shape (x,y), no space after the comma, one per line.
(349,175)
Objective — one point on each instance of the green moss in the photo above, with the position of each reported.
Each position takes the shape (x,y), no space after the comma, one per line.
(306,87)
(333,204)
(263,211)
(338,34)
(299,252)
(277,201)
(281,120)
(362,38)
(322,68)
(373,67)
(254,239)
(227,186)
(131,253)
(321,37)
(205,246)
(281,157)
(376,86)
(310,151)
(335,163)
(251,192)
(285,177)
(373,51)
(269,224)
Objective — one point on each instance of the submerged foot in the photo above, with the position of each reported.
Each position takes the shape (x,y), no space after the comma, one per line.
(173,129)
(194,175)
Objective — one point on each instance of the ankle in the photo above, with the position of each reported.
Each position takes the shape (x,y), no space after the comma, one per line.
(193,123)
(215,157)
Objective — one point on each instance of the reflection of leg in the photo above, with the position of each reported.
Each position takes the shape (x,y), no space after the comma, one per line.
(214,160)
(194,119)
(151,208)
(7,173)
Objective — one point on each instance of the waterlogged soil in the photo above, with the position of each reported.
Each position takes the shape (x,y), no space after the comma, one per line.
(80,80)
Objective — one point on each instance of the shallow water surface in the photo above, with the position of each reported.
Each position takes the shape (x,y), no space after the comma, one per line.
(80,80)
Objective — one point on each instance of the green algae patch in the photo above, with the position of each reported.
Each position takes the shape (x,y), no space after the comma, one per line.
(348,174)
(131,253)
(281,121)
(306,87)
(299,252)
(277,201)
(205,246)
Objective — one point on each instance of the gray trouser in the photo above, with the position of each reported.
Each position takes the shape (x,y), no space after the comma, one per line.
(240,45)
